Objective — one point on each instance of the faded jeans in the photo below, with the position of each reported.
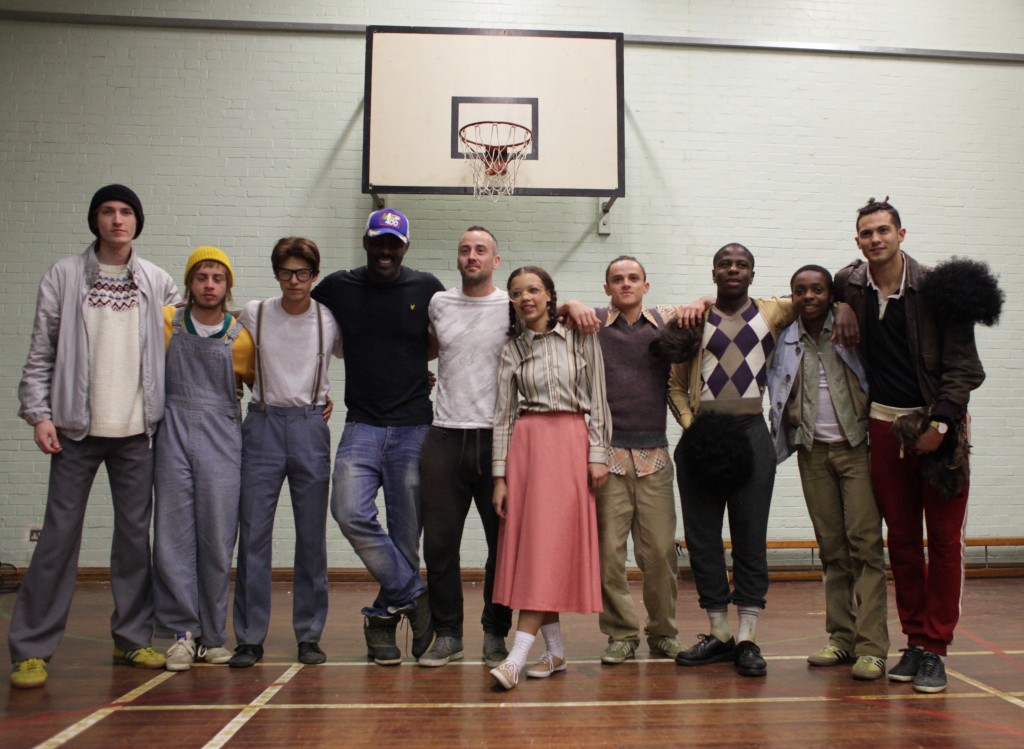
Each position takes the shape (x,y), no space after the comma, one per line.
(370,458)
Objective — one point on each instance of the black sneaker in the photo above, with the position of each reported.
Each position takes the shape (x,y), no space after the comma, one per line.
(931,676)
(908,666)
(246,656)
(311,654)
(749,661)
(709,649)
(380,640)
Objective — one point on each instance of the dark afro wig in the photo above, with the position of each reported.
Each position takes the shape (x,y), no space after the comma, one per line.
(716,454)
(676,345)
(960,290)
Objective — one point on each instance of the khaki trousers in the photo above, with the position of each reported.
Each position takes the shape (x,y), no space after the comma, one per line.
(645,508)
(836,480)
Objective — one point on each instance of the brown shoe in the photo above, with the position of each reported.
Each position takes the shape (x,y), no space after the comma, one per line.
(506,674)
(547,665)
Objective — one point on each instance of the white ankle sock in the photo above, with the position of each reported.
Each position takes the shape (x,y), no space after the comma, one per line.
(748,623)
(521,648)
(720,628)
(553,639)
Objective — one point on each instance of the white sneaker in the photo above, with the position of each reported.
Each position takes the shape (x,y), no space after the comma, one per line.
(181,654)
(217,656)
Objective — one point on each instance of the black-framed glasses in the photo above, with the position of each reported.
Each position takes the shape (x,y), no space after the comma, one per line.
(286,274)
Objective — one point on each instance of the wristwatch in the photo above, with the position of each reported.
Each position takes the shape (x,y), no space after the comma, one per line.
(939,426)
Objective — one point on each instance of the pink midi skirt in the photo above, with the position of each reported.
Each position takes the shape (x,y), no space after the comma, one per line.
(547,545)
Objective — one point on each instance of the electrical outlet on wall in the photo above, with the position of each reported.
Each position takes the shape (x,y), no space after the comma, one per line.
(34,534)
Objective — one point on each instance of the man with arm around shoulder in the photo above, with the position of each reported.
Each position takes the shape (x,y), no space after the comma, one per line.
(914,364)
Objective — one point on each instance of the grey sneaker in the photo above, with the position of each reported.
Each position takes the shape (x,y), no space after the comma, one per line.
(931,676)
(380,640)
(664,647)
(182,653)
(494,649)
(216,656)
(908,666)
(445,649)
(868,668)
(618,651)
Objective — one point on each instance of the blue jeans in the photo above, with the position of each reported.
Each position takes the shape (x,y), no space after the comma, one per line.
(369,458)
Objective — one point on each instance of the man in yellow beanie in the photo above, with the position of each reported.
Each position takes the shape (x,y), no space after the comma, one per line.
(198,463)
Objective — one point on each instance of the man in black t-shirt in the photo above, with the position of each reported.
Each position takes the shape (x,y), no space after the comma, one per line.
(381,309)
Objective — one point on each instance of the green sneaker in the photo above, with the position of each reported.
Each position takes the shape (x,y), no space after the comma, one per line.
(664,647)
(830,655)
(868,668)
(618,651)
(139,657)
(29,674)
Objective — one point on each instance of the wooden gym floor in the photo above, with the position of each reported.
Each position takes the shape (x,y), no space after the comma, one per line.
(89,702)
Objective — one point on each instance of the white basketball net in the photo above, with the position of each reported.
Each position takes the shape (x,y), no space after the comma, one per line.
(494,151)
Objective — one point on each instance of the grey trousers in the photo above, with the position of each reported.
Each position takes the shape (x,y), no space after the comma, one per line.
(41,610)
(280,443)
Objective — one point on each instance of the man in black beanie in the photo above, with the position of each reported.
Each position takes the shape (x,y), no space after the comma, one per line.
(93,391)
(115,193)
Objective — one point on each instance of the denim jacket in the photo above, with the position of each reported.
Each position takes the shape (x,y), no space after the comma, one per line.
(784,372)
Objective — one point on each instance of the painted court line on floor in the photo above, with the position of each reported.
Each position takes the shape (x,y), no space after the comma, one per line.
(92,719)
(359,662)
(548,704)
(235,725)
(986,688)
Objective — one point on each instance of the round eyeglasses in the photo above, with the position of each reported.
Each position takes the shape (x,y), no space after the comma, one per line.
(286,274)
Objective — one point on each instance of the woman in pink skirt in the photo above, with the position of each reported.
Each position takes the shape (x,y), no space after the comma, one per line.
(552,428)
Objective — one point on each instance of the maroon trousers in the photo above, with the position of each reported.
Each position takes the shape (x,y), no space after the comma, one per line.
(928,593)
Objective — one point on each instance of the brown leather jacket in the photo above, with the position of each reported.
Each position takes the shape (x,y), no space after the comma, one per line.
(946,359)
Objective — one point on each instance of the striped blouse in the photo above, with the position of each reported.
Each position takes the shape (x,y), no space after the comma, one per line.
(557,371)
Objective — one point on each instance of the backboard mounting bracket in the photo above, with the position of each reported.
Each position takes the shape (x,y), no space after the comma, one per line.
(378,201)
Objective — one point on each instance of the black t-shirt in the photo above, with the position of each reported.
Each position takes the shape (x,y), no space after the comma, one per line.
(384,335)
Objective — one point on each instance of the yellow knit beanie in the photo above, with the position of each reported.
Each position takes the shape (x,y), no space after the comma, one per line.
(201,254)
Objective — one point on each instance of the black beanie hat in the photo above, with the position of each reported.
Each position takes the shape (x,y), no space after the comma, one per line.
(116,192)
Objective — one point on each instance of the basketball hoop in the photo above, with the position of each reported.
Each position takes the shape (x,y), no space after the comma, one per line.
(494,151)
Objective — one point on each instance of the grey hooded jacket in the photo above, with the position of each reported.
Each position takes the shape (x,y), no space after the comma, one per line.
(55,380)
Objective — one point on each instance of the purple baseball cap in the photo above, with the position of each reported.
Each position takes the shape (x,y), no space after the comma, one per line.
(388,221)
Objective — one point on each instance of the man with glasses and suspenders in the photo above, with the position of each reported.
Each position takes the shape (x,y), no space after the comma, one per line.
(285,435)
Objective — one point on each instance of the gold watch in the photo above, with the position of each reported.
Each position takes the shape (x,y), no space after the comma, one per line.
(939,426)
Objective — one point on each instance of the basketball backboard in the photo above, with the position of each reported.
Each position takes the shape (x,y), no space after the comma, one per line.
(425,84)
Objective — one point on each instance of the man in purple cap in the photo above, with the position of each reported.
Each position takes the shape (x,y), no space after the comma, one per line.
(381,309)
(93,391)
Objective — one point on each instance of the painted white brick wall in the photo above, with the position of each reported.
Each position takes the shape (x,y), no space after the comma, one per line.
(238,138)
